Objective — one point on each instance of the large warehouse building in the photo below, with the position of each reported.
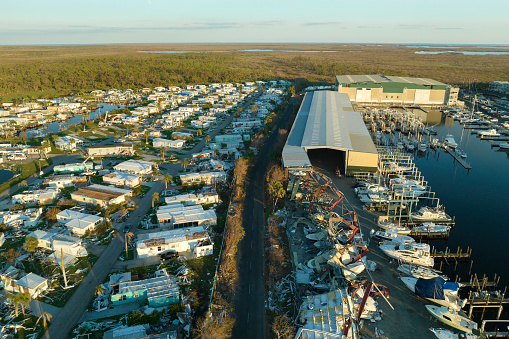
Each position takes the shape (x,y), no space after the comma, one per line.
(327,128)
(380,89)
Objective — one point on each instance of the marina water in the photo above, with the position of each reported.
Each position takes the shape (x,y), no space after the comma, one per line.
(478,197)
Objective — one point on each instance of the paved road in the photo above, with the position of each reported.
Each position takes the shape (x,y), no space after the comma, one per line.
(249,306)
(71,313)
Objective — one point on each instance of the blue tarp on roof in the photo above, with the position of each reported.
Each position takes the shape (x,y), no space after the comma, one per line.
(430,288)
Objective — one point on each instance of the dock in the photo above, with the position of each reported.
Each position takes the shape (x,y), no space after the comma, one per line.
(458,158)
(447,255)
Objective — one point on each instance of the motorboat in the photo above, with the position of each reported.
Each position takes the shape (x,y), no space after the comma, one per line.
(422,147)
(391,235)
(410,147)
(374,198)
(489,133)
(504,145)
(461,153)
(414,253)
(370,189)
(420,272)
(430,227)
(441,333)
(392,226)
(436,290)
(406,184)
(453,318)
(450,142)
(430,214)
(395,167)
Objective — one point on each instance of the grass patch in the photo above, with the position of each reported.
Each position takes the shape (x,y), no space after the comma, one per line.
(25,171)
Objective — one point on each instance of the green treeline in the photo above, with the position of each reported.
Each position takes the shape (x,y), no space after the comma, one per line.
(81,75)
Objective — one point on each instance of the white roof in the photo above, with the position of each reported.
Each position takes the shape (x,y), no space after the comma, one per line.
(180,214)
(32,281)
(174,236)
(133,165)
(83,222)
(121,176)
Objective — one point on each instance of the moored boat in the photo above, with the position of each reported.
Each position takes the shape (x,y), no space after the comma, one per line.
(430,214)
(420,272)
(452,318)
(436,290)
(414,253)
(391,235)
(450,142)
(441,333)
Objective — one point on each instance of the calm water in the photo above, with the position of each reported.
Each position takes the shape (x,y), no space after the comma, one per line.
(5,175)
(77,119)
(463,52)
(476,197)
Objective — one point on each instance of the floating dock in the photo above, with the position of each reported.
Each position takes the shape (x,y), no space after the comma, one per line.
(458,158)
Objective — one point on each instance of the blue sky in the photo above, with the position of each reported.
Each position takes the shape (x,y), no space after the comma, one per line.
(197,21)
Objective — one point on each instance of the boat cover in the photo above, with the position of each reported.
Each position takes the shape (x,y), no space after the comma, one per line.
(430,288)
(451,286)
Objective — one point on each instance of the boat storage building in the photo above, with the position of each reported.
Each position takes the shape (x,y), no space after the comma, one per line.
(328,128)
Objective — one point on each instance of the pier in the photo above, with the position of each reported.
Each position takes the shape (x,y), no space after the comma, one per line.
(458,158)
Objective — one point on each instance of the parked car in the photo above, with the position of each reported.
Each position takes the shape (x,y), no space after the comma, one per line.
(169,255)
(127,227)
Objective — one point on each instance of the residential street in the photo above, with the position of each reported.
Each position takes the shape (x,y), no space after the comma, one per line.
(71,313)
(249,307)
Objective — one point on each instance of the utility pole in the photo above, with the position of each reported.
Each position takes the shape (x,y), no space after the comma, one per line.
(63,267)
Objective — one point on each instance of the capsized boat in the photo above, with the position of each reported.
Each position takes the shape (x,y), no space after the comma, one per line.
(430,214)
(414,253)
(436,290)
(453,318)
(420,272)
(441,333)
(391,235)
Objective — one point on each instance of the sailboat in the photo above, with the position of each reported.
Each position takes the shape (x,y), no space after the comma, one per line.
(453,318)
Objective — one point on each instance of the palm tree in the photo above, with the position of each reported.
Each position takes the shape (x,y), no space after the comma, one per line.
(72,141)
(85,117)
(45,316)
(42,150)
(20,299)
(98,292)
(30,245)
(127,240)
(167,180)
(147,134)
(207,139)
(185,163)
(155,197)
(23,183)
(55,137)
(163,149)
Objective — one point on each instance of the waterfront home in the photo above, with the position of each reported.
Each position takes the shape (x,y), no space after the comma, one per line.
(139,167)
(59,243)
(193,239)
(176,215)
(36,197)
(14,280)
(62,181)
(78,222)
(205,155)
(207,177)
(100,195)
(122,179)
(159,291)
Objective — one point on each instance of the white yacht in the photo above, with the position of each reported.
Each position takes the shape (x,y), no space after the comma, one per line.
(490,133)
(452,318)
(392,226)
(436,290)
(422,147)
(391,235)
(504,145)
(430,214)
(420,272)
(441,333)
(450,142)
(414,253)
(431,227)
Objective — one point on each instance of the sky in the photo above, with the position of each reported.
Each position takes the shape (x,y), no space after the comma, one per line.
(29,22)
